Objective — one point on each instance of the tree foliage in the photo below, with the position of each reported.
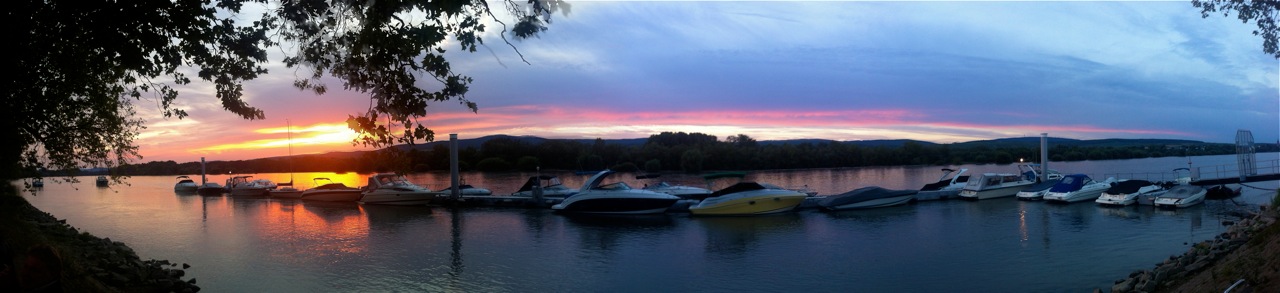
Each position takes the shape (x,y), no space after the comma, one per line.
(76,68)
(1265,13)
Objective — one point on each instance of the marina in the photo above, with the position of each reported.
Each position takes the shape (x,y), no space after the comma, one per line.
(942,245)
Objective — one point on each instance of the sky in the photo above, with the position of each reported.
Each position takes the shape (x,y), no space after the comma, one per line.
(941,72)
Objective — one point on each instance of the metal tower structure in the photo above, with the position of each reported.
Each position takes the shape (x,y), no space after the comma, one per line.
(1245,154)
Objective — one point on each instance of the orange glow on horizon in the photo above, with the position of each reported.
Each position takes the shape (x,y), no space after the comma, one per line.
(314,135)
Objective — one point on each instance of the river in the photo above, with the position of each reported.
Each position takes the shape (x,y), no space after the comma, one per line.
(258,244)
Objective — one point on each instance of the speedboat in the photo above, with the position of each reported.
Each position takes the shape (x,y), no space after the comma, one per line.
(102,181)
(467,189)
(185,184)
(944,188)
(392,189)
(285,192)
(241,186)
(749,198)
(867,197)
(614,198)
(1076,188)
(1221,192)
(1036,191)
(1127,192)
(994,185)
(331,191)
(685,192)
(1181,196)
(37,182)
(210,189)
(550,185)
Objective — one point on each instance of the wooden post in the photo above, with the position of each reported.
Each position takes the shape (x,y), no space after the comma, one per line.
(1044,157)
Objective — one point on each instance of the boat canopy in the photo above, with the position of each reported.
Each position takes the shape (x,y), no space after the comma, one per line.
(1128,186)
(1071,183)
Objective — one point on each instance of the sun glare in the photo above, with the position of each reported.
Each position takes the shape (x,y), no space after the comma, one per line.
(312,135)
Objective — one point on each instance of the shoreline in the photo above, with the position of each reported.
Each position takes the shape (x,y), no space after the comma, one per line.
(1246,258)
(88,263)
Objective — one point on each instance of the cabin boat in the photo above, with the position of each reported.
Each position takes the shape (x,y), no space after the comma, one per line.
(1128,192)
(684,192)
(102,181)
(1077,188)
(867,197)
(749,198)
(995,185)
(327,190)
(1181,196)
(392,189)
(944,188)
(614,198)
(242,186)
(185,184)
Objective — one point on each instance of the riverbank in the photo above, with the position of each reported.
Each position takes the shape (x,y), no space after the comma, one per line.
(88,263)
(1246,258)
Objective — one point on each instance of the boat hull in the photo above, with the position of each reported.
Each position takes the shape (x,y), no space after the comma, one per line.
(1006,191)
(1117,199)
(1181,196)
(252,191)
(1074,196)
(874,203)
(332,195)
(762,203)
(285,193)
(186,187)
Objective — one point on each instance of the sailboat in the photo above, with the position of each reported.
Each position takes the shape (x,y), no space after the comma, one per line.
(286,190)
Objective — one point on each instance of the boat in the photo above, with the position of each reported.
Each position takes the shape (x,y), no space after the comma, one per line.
(1181,196)
(37,182)
(749,198)
(467,189)
(211,189)
(1221,192)
(1128,192)
(614,198)
(550,185)
(685,192)
(102,181)
(392,189)
(994,185)
(327,190)
(1036,191)
(944,188)
(867,197)
(185,184)
(1077,188)
(242,186)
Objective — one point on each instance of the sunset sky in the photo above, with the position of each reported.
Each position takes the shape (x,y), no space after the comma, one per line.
(935,71)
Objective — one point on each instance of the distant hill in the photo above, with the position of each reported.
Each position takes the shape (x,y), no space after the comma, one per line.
(533,140)
(1035,142)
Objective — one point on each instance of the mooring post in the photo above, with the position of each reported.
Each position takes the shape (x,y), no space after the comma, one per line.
(453,167)
(202,177)
(1044,157)
(537,187)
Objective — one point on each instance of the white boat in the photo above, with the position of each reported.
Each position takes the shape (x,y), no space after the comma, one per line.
(550,185)
(994,185)
(331,191)
(1183,194)
(1127,192)
(1077,188)
(392,189)
(685,192)
(614,198)
(1036,191)
(185,185)
(946,187)
(211,189)
(242,186)
(749,198)
(867,197)
(467,189)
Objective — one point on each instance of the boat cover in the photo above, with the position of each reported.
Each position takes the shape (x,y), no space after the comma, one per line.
(1070,183)
(863,194)
(1183,191)
(1128,186)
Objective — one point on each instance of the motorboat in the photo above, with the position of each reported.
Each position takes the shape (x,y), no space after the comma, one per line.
(994,185)
(327,190)
(1181,196)
(37,182)
(1036,191)
(285,192)
(614,198)
(467,189)
(211,189)
(867,197)
(550,185)
(1221,192)
(392,189)
(1128,192)
(748,198)
(948,186)
(1077,188)
(185,184)
(242,186)
(102,181)
(685,192)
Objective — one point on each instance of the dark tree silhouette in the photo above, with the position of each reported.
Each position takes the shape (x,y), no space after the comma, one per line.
(1262,12)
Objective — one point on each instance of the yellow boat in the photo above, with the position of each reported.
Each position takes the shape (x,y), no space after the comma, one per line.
(748,198)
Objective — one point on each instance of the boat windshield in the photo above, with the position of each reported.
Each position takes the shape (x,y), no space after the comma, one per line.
(614,186)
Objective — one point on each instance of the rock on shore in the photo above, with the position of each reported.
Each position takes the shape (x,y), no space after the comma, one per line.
(1212,265)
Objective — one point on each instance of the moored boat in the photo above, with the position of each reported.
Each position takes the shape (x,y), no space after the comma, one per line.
(1181,196)
(1077,188)
(242,186)
(185,184)
(867,197)
(102,181)
(614,198)
(684,192)
(550,186)
(467,189)
(944,188)
(1128,192)
(327,190)
(1036,191)
(748,198)
(211,189)
(392,189)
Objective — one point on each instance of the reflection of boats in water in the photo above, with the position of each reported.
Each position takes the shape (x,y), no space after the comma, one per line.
(392,189)
(749,198)
(1127,192)
(867,197)
(614,198)
(1037,191)
(1077,188)
(331,191)
(944,188)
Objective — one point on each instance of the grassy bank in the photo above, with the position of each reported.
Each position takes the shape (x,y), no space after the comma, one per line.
(88,263)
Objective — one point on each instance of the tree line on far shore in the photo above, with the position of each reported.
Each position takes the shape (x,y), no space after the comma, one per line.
(681,152)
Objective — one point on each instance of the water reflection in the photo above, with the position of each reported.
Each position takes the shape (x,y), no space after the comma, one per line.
(738,237)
